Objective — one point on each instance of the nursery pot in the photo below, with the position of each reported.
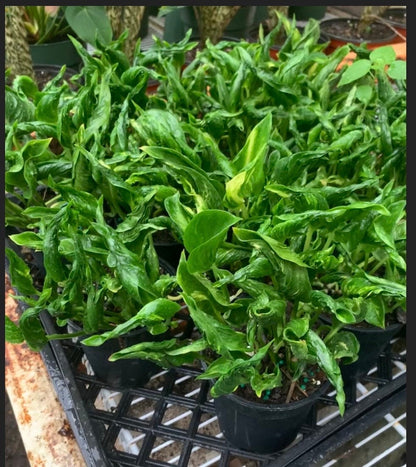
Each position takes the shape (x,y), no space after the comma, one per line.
(129,372)
(303,13)
(263,428)
(341,31)
(178,22)
(169,251)
(55,53)
(45,73)
(373,340)
(121,373)
(396,17)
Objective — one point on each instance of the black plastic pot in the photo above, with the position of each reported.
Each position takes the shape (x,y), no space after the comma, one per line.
(396,17)
(168,249)
(373,340)
(332,30)
(372,343)
(55,53)
(303,13)
(178,22)
(263,428)
(122,373)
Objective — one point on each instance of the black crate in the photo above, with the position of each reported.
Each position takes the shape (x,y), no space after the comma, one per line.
(171,420)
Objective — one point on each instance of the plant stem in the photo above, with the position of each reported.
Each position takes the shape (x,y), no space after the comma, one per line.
(328,241)
(332,332)
(308,239)
(290,393)
(377,266)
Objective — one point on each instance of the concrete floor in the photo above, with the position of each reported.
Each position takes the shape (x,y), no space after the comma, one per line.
(15,454)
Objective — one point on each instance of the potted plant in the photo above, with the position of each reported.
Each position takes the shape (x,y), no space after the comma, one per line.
(304,13)
(396,17)
(93,285)
(262,339)
(47,25)
(211,22)
(48,28)
(281,179)
(369,28)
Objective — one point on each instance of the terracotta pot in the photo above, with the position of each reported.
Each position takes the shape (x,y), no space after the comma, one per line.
(332,30)
(152,86)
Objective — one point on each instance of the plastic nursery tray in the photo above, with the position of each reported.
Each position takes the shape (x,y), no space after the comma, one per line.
(171,420)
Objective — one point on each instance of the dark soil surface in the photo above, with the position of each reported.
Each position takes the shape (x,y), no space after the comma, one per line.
(347,29)
(310,381)
(44,75)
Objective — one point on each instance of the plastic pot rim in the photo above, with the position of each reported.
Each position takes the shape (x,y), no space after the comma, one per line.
(332,36)
(270,407)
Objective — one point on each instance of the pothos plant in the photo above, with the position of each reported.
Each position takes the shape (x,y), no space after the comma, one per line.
(94,276)
(279,203)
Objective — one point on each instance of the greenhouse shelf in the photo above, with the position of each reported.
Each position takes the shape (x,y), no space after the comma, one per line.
(171,420)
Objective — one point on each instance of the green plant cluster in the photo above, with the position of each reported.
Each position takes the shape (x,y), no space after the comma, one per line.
(283,180)
(86,22)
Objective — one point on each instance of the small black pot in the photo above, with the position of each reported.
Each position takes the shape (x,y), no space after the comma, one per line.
(55,53)
(169,251)
(126,373)
(373,340)
(332,30)
(263,428)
